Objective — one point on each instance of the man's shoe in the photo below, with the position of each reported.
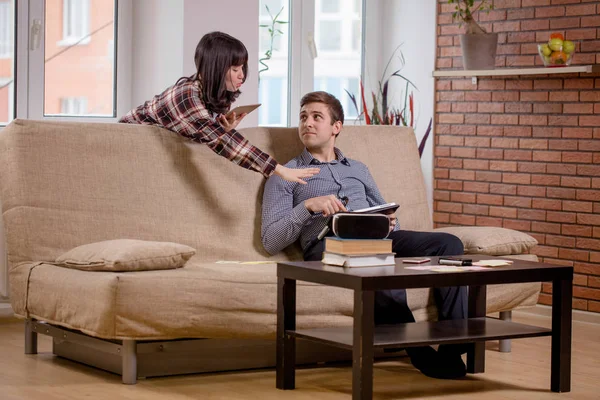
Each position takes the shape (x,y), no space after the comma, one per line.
(433,365)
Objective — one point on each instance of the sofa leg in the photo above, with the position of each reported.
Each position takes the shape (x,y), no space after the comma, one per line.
(31,337)
(505,343)
(129,357)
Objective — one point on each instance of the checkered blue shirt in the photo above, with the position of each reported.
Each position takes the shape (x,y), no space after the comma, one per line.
(284,216)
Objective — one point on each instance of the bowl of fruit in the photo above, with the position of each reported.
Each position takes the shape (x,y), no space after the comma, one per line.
(558,52)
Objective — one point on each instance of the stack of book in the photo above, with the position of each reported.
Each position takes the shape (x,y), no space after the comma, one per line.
(358,252)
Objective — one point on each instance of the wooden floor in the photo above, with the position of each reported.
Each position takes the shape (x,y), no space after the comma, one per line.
(522,374)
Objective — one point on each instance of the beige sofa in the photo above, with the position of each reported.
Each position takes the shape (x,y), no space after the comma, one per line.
(67,184)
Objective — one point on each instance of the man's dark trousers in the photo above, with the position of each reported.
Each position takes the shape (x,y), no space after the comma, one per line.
(390,305)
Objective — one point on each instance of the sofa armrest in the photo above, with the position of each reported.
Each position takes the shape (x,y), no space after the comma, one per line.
(492,241)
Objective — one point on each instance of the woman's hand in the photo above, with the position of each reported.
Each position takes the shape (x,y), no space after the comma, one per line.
(230,121)
(295,175)
(393,221)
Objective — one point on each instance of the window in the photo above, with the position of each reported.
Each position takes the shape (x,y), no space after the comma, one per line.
(7,62)
(6,30)
(273,62)
(76,22)
(73,105)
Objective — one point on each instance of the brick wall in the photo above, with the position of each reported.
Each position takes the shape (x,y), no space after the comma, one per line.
(524,152)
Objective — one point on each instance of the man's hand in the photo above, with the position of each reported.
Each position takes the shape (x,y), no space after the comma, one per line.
(328,205)
(393,221)
(230,121)
(295,175)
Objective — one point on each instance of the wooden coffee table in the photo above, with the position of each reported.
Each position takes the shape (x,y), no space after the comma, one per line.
(363,337)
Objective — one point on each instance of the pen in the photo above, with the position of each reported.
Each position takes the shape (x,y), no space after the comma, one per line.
(460,263)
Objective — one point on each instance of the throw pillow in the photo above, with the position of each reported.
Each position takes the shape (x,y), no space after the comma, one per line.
(122,255)
(492,241)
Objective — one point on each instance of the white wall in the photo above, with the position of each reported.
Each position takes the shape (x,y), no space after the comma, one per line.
(413,23)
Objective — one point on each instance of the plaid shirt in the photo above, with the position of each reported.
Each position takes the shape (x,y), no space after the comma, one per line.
(180,109)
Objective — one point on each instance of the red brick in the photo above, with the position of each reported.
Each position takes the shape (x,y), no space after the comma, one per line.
(447,140)
(516,201)
(533,120)
(575,255)
(448,185)
(562,144)
(561,193)
(589,195)
(577,157)
(524,226)
(507,26)
(491,199)
(503,166)
(491,84)
(441,217)
(590,21)
(586,120)
(463,107)
(439,173)
(535,25)
(534,191)
(545,227)
(452,96)
(563,23)
(573,181)
(596,181)
(576,230)
(501,188)
(561,169)
(564,217)
(537,215)
(547,204)
(506,96)
(531,167)
(475,209)
(592,170)
(545,251)
(464,152)
(488,176)
(587,268)
(443,84)
(460,197)
(580,34)
(593,281)
(521,37)
(451,118)
(563,120)
(550,156)
(478,96)
(517,131)
(586,293)
(449,207)
(547,108)
(462,219)
(589,145)
(592,244)
(505,119)
(579,83)
(596,232)
(441,195)
(476,164)
(494,15)
(584,9)
(540,144)
(503,212)
(546,180)
(477,142)
(505,143)
(577,133)
(442,151)
(545,299)
(488,221)
(490,107)
(594,257)
(535,3)
(518,107)
(529,48)
(534,96)
(563,96)
(520,61)
(460,174)
(518,84)
(560,241)
(547,132)
(594,306)
(588,219)
(546,12)
(477,119)
(552,84)
(480,187)
(589,96)
(491,154)
(443,107)
(523,179)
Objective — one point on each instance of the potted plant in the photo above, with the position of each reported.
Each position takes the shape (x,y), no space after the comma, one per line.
(478,46)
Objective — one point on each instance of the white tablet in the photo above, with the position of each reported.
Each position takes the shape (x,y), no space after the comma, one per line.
(243,109)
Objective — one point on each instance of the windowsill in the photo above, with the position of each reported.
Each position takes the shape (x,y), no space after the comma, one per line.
(73,41)
(586,69)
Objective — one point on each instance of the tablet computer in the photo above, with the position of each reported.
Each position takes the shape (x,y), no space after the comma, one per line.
(387,208)
(243,109)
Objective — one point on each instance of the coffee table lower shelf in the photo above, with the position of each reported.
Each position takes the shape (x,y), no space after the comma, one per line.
(427,333)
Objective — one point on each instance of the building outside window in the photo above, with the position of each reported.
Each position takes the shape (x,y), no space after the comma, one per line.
(7,44)
(76,22)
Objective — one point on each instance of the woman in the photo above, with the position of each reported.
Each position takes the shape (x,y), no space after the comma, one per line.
(195,107)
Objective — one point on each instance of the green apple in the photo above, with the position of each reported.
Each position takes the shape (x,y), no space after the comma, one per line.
(568,47)
(555,44)
(546,50)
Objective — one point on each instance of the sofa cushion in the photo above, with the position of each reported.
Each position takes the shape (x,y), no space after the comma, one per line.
(491,240)
(126,255)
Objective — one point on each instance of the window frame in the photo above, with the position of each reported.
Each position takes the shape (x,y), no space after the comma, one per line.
(30,86)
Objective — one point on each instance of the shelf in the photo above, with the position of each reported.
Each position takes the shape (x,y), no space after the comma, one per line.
(586,69)
(425,333)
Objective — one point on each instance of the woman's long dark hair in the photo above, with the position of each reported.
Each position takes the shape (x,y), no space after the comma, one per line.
(215,54)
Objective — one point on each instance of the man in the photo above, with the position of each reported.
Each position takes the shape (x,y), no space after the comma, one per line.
(292,211)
